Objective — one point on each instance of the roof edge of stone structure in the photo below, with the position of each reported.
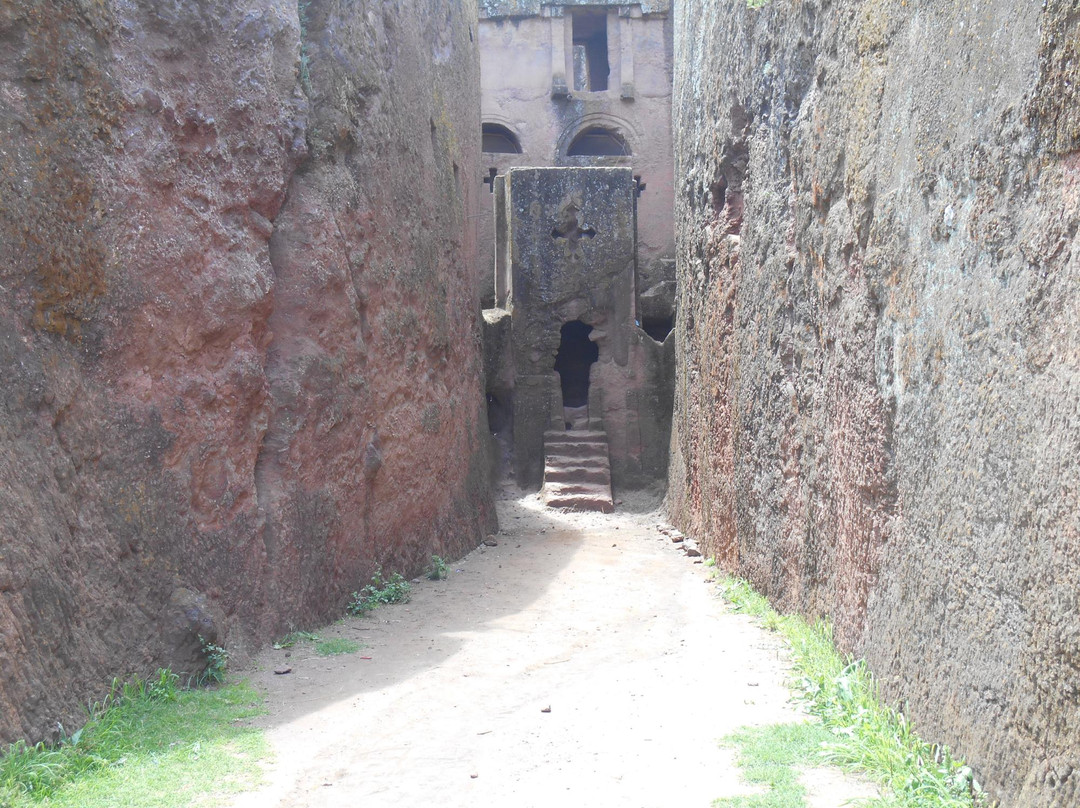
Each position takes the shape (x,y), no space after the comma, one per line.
(501,9)
(608,169)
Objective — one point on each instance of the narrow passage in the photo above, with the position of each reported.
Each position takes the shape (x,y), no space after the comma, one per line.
(584,660)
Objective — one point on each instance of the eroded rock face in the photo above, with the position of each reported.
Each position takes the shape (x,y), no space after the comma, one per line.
(238,325)
(877,401)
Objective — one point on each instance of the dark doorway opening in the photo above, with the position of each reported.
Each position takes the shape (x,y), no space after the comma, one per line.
(500,410)
(576,355)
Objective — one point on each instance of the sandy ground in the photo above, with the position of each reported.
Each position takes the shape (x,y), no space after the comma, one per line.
(582,661)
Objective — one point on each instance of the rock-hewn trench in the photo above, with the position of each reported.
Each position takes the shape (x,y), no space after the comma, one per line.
(241,364)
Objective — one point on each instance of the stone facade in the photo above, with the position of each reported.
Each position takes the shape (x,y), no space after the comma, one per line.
(571,241)
(528,90)
(580,85)
(567,235)
(877,405)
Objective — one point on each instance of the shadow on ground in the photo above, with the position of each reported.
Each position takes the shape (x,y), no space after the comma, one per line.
(402,641)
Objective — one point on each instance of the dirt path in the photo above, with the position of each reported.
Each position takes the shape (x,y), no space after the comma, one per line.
(598,618)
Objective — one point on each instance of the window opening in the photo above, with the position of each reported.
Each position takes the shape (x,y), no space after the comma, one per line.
(657,327)
(596,141)
(497,139)
(590,50)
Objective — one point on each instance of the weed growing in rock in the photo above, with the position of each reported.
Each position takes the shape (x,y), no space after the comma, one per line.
(437,570)
(149,743)
(394,589)
(217,661)
(866,734)
(305,57)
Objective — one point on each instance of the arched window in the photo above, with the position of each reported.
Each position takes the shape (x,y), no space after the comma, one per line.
(500,140)
(596,141)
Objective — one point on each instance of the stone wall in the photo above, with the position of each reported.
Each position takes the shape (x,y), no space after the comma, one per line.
(877,410)
(571,238)
(566,243)
(238,325)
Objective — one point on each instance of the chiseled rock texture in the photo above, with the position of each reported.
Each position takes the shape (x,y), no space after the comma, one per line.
(239,338)
(877,408)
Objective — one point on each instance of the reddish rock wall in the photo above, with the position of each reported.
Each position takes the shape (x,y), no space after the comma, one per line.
(877,408)
(239,338)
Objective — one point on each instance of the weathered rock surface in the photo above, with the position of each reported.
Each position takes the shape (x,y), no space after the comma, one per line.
(238,325)
(877,399)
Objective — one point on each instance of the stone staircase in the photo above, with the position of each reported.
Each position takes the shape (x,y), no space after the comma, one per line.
(577,473)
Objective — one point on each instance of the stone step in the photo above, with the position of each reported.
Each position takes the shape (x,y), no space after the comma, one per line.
(562,488)
(578,502)
(587,461)
(562,449)
(597,445)
(577,471)
(575,435)
(561,474)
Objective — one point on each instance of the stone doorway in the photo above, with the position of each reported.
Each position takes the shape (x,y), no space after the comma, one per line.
(575,358)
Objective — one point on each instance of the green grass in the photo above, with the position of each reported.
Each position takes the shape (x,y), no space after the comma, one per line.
(768,756)
(149,744)
(294,637)
(865,734)
(380,591)
(335,646)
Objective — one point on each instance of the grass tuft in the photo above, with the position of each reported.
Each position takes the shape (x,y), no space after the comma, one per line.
(336,646)
(148,744)
(294,637)
(217,663)
(865,733)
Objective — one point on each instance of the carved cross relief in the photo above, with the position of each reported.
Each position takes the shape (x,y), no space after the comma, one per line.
(568,227)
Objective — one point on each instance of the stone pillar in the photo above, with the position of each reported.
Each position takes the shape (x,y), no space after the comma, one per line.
(627,14)
(532,417)
(556,421)
(504,289)
(558,52)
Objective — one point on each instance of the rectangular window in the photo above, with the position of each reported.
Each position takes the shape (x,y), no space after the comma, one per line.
(590,49)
